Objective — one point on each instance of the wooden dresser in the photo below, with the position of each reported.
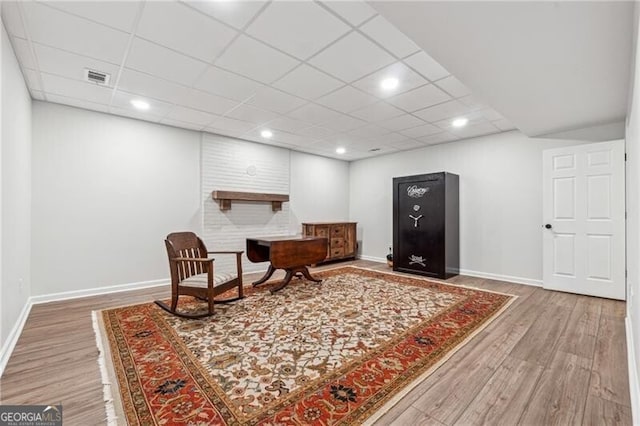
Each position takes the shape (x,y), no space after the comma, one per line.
(341,237)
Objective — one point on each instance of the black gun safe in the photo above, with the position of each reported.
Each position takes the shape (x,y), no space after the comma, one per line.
(426,230)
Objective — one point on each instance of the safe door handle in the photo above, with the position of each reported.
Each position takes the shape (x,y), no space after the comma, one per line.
(548,226)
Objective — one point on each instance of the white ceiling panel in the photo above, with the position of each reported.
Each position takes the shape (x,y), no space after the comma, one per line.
(275,100)
(23,52)
(426,66)
(438,138)
(176,25)
(355,11)
(443,111)
(424,130)
(180,124)
(473,130)
(71,65)
(38,95)
(345,123)
(138,115)
(347,99)
(120,14)
(388,36)
(401,122)
(453,86)
(234,13)
(79,103)
(368,131)
(55,28)
(314,114)
(251,114)
(299,28)
(340,58)
(76,89)
(419,98)
(503,124)
(307,82)
(153,87)
(203,101)
(407,80)
(230,124)
(223,83)
(377,112)
(491,114)
(317,132)
(255,60)
(193,116)
(11,18)
(32,79)
(162,62)
(287,124)
(122,101)
(406,144)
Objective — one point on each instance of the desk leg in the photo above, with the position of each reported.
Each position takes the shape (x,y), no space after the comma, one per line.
(266,276)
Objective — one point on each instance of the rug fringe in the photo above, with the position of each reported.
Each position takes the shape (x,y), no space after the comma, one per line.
(112,419)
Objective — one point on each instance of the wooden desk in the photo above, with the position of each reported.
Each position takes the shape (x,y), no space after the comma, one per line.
(293,254)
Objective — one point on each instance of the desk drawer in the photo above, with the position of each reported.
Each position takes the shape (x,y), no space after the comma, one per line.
(337,243)
(337,231)
(336,252)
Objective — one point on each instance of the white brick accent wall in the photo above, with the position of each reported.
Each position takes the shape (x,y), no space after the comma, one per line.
(234,165)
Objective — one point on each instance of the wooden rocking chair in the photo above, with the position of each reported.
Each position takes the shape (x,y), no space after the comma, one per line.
(192,273)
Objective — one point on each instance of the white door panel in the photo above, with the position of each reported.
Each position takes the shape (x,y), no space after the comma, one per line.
(583,211)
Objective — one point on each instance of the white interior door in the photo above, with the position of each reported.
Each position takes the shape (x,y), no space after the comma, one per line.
(584,219)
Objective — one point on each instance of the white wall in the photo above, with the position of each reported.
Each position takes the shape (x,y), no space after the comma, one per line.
(106,191)
(633,227)
(15,191)
(319,190)
(500,188)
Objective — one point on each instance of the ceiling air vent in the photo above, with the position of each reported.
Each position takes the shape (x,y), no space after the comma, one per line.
(98,77)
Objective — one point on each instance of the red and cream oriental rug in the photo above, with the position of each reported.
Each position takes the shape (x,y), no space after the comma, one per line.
(340,352)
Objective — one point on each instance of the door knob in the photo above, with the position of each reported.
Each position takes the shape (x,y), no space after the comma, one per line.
(548,226)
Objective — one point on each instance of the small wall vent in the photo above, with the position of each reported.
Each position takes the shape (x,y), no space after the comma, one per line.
(97,77)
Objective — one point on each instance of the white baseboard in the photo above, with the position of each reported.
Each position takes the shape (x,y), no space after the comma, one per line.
(66,295)
(12,338)
(500,277)
(634,379)
(373,259)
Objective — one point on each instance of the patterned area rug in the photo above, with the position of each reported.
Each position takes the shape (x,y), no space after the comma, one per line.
(339,352)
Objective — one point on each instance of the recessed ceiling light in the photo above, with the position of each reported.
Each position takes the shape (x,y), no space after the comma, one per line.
(140,104)
(460,122)
(266,134)
(340,150)
(389,83)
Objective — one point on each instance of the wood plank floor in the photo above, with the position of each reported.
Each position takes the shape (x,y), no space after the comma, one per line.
(551,358)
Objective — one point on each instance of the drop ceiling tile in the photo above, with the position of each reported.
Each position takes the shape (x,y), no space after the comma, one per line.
(222,132)
(224,124)
(341,61)
(203,101)
(122,101)
(443,111)
(317,132)
(453,86)
(355,12)
(180,124)
(189,115)
(345,123)
(236,13)
(388,36)
(35,94)
(146,85)
(401,122)
(369,131)
(276,100)
(251,114)
(314,114)
(162,62)
(23,52)
(420,98)
(473,130)
(503,124)
(71,65)
(427,66)
(377,112)
(287,124)
(424,130)
(407,144)
(472,102)
(407,80)
(299,28)
(79,103)
(223,83)
(76,89)
(437,138)
(79,35)
(255,60)
(32,79)
(491,114)
(184,29)
(135,114)
(307,82)
(388,138)
(346,99)
(11,18)
(117,14)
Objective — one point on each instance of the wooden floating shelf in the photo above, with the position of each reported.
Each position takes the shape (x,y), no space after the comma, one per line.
(226,197)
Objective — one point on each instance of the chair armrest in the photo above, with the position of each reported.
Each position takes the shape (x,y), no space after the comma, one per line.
(226,252)
(191,259)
